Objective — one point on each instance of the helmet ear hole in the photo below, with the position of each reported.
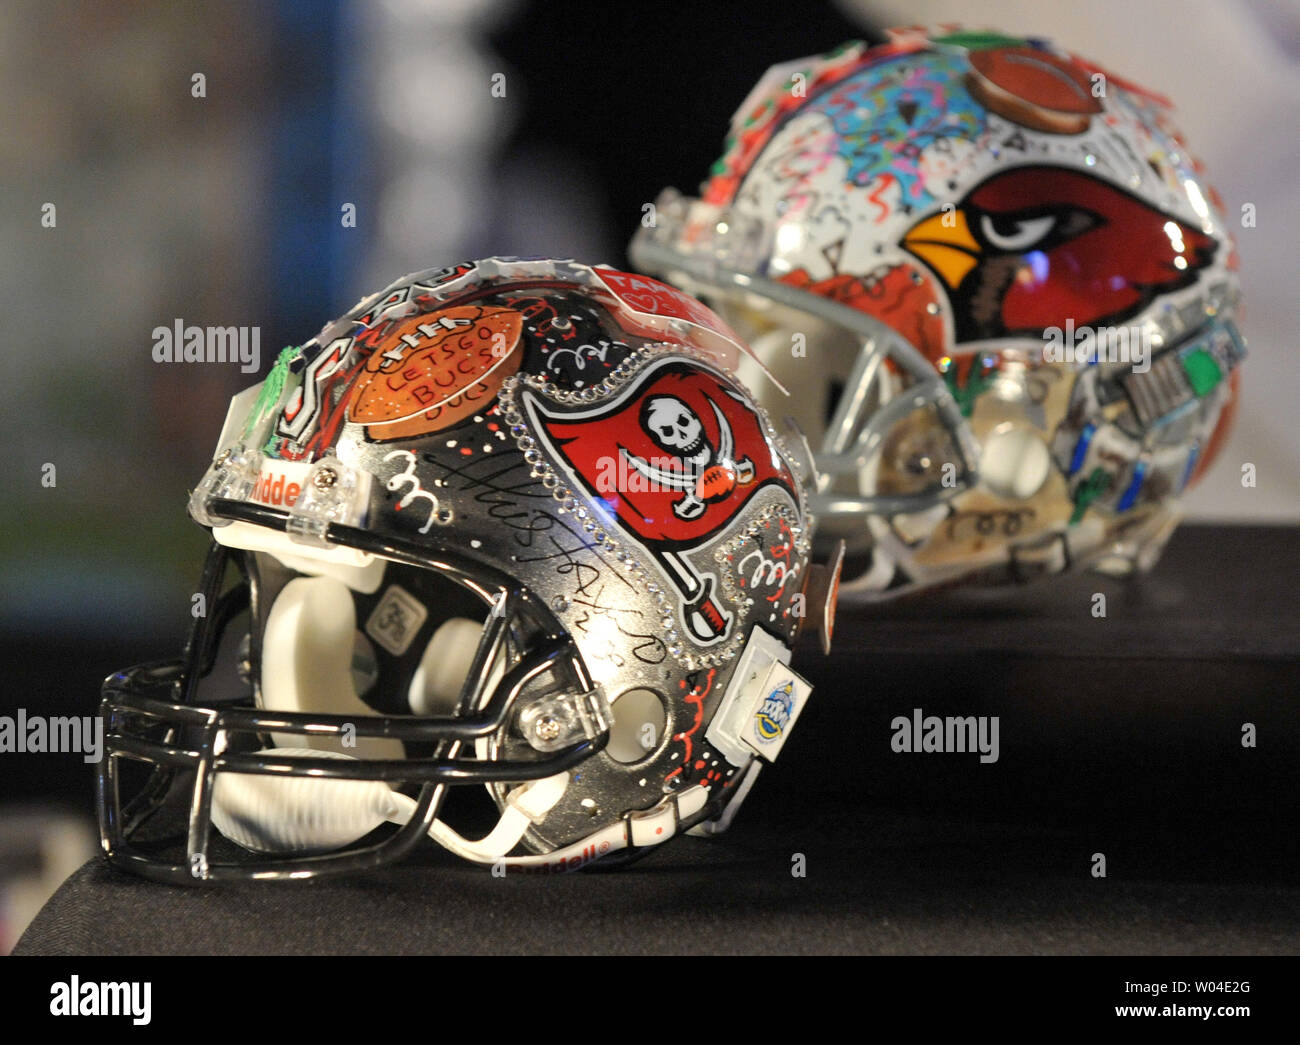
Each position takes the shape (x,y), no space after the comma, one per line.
(639,723)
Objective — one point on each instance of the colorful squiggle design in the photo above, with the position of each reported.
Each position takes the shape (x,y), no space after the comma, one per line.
(885,118)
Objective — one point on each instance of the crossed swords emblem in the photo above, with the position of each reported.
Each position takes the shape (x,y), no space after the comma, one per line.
(708,474)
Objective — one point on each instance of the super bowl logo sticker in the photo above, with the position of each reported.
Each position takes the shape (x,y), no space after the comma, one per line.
(672,459)
(429,371)
(774,714)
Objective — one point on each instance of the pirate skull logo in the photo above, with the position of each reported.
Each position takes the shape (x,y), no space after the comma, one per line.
(676,428)
(707,474)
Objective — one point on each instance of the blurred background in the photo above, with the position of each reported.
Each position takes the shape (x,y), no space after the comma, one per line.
(203,159)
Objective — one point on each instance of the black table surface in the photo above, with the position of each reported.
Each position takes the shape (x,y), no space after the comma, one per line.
(1119,736)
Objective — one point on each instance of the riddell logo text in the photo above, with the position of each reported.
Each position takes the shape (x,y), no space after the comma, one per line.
(276,490)
(563,864)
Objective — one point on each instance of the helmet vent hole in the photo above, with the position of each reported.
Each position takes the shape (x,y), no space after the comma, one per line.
(638,727)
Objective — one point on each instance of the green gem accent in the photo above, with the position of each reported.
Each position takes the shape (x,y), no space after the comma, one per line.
(764,107)
(1202,371)
(978,380)
(1089,490)
(720,164)
(980,41)
(847,45)
(272,389)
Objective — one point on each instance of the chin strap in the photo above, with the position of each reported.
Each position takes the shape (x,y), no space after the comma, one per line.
(636,830)
(525,806)
(304,814)
(529,804)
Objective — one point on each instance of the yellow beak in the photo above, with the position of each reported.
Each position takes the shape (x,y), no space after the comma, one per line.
(944,242)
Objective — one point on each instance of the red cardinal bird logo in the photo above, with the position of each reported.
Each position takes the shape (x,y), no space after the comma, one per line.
(1035,246)
(673,458)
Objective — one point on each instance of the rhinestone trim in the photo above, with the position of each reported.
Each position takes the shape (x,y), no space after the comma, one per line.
(685,652)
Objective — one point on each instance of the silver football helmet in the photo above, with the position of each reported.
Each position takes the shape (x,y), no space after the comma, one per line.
(511,524)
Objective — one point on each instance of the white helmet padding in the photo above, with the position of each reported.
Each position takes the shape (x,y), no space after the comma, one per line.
(435,687)
(307,660)
(307,666)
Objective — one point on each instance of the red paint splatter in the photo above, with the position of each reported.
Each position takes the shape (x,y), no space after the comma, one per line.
(696,698)
(331,419)
(886,180)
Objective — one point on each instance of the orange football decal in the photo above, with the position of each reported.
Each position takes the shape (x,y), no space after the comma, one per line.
(433,369)
(1034,88)
(716,481)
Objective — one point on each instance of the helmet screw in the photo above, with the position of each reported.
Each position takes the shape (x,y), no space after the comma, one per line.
(325,478)
(547,728)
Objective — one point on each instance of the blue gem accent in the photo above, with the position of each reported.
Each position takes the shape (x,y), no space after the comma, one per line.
(1081,447)
(1193,455)
(1134,487)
